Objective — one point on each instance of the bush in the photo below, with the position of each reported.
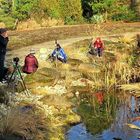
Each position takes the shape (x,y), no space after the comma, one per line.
(8,21)
(71,11)
(124,14)
(97,19)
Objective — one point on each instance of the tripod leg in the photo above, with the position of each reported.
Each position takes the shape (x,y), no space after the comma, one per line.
(12,75)
(23,83)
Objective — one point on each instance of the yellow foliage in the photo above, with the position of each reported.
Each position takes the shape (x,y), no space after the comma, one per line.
(127,39)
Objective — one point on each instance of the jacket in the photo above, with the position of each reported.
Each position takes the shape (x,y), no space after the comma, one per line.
(98,44)
(30,64)
(59,53)
(3,44)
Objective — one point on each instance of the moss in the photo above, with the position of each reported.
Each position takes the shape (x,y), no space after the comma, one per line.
(44,76)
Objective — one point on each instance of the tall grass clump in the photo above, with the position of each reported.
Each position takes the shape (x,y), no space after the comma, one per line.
(25,125)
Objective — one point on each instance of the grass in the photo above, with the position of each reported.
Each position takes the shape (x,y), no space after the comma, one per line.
(131,87)
(22,124)
(25,38)
(43,77)
(112,69)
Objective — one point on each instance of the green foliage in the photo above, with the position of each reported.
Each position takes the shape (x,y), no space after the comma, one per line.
(111,9)
(6,6)
(7,19)
(97,19)
(23,9)
(124,13)
(102,6)
(50,8)
(71,11)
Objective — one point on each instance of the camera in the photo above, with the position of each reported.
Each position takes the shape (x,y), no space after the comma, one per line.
(16,60)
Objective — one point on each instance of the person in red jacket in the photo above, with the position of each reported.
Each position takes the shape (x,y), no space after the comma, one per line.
(31,63)
(99,46)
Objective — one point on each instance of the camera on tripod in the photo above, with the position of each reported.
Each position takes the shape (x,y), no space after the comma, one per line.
(17,74)
(16,60)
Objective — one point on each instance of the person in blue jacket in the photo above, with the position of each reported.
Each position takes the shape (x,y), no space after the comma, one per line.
(59,54)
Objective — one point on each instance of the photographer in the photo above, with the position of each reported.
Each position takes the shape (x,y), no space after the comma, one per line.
(3,45)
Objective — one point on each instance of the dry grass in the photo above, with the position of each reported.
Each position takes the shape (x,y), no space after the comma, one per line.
(23,124)
(131,87)
(25,38)
(127,39)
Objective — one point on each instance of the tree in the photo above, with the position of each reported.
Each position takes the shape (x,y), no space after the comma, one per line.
(87,8)
(71,10)
(6,6)
(135,4)
(22,9)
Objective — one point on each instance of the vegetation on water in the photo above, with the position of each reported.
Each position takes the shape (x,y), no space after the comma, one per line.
(69,11)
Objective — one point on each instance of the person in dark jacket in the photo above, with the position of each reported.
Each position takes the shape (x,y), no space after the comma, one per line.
(3,45)
(31,63)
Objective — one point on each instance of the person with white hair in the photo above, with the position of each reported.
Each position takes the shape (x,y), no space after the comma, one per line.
(30,63)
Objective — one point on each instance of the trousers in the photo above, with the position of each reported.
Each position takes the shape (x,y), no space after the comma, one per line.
(2,59)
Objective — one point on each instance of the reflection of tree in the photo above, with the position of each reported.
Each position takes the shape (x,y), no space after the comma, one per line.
(98,117)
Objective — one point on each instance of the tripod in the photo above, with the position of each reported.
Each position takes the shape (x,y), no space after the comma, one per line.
(16,73)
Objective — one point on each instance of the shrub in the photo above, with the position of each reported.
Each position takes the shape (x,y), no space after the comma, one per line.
(97,19)
(8,21)
(71,11)
(124,13)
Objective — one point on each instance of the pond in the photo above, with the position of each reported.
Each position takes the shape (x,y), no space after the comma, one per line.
(106,117)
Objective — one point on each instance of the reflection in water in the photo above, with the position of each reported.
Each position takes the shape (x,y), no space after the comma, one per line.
(106,117)
(79,132)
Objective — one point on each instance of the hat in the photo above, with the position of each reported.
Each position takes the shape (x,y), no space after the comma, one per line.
(2,30)
(32,51)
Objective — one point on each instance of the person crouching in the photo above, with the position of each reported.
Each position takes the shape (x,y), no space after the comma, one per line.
(59,54)
(30,63)
(99,46)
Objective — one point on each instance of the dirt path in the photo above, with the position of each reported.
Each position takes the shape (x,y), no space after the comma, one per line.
(21,53)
